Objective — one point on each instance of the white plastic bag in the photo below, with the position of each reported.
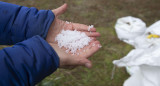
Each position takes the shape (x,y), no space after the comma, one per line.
(132,69)
(128,28)
(148,61)
(137,57)
(145,42)
(146,76)
(143,62)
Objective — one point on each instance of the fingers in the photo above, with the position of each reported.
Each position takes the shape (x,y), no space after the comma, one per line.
(84,62)
(93,39)
(93,34)
(80,62)
(82,27)
(60,10)
(89,50)
(92,48)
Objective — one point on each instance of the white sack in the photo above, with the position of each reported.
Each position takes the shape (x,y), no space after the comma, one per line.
(128,28)
(148,61)
(137,57)
(142,63)
(146,76)
(132,69)
(144,42)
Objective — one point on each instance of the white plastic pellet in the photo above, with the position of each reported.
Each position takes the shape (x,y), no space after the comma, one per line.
(72,40)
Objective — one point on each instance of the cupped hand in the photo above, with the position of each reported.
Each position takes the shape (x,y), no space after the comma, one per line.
(58,25)
(67,60)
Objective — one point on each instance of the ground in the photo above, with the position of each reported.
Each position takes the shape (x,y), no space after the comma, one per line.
(103,14)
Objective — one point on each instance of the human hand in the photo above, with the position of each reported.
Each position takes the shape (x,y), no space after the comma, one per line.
(67,60)
(57,26)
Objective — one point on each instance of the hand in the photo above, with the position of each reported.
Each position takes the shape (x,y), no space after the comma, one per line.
(57,26)
(68,60)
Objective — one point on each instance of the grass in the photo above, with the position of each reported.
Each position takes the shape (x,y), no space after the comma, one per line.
(103,14)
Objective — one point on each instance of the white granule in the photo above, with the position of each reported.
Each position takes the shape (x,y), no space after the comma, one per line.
(72,40)
(99,46)
(68,22)
(90,26)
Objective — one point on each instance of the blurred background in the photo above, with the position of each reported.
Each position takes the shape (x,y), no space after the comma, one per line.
(103,14)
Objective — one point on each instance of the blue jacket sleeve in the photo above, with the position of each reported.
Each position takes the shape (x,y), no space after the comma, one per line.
(18,23)
(27,63)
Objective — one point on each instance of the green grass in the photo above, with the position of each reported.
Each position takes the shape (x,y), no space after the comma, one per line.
(103,14)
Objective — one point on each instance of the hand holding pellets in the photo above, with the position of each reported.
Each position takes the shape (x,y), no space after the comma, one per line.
(73,40)
(73,43)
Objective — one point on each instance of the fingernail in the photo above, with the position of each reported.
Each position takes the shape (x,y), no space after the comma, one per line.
(88,65)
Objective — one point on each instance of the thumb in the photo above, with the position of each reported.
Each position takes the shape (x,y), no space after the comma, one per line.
(60,10)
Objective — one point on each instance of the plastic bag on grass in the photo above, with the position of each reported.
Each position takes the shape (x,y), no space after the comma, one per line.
(142,63)
(128,28)
(150,38)
(146,76)
(148,61)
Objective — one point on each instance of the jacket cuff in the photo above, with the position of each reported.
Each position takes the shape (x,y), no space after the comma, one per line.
(51,51)
(48,25)
(41,58)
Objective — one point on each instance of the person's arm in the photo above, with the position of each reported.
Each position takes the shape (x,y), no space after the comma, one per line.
(18,23)
(27,63)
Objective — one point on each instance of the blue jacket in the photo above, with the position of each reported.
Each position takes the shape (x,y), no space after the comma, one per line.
(31,58)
